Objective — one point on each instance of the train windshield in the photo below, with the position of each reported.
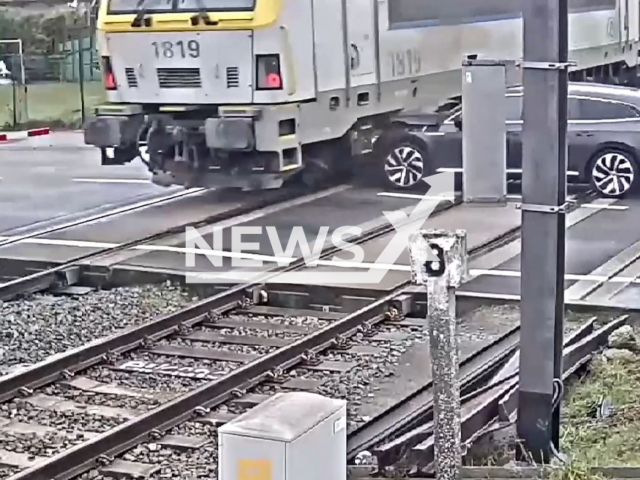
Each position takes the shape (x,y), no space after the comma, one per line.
(166,6)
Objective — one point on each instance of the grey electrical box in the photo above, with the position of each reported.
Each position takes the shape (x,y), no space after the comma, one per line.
(291,436)
(484,136)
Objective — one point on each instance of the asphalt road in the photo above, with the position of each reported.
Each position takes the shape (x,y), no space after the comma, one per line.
(590,244)
(55,178)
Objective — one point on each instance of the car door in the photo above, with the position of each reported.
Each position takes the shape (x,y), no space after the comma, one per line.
(586,118)
(578,132)
(446,144)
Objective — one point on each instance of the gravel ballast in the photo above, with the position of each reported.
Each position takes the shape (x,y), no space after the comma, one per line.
(33,329)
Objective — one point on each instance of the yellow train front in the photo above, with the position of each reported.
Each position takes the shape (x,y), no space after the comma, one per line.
(206,86)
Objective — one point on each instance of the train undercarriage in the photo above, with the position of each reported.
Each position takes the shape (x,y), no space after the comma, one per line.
(196,149)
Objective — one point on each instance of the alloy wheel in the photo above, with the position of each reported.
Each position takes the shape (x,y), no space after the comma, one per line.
(613,174)
(404,166)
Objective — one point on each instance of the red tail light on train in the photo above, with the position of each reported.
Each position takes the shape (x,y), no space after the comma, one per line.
(109,76)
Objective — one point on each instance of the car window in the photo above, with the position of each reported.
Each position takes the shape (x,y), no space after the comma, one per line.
(573,109)
(454,116)
(592,109)
(514,110)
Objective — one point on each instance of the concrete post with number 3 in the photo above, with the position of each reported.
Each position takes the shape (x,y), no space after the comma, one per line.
(439,262)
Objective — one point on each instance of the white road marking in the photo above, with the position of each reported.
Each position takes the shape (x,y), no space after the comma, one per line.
(101,216)
(488,296)
(570,173)
(416,196)
(111,180)
(604,207)
(569,276)
(274,259)
(213,253)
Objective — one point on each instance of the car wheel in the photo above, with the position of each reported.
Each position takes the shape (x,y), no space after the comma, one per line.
(405,162)
(613,173)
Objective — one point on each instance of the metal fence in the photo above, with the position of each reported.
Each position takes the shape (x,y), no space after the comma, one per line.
(58,89)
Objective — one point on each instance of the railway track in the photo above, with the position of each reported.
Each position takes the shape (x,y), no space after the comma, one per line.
(267,357)
(68,271)
(239,364)
(148,394)
(153,411)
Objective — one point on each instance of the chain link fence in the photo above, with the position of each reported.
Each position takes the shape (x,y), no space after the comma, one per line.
(55,90)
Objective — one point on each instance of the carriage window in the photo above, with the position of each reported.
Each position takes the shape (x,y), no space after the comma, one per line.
(215,5)
(129,6)
(409,13)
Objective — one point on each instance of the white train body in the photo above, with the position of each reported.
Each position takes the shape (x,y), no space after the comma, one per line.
(343,67)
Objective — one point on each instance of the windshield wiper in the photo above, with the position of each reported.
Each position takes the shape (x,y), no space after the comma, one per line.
(202,14)
(141,15)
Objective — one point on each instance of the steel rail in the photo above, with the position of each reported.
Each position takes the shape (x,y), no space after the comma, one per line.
(477,415)
(70,362)
(78,459)
(73,461)
(399,419)
(397,425)
(152,202)
(44,279)
(82,457)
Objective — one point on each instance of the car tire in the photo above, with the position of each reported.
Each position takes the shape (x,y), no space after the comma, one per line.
(613,172)
(405,161)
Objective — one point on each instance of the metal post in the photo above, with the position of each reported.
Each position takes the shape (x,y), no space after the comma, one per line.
(15,96)
(81,75)
(484,134)
(543,222)
(442,274)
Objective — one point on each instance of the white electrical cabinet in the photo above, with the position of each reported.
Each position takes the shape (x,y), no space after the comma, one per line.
(291,436)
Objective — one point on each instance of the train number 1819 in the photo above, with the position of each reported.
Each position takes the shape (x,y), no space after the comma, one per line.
(407,62)
(178,49)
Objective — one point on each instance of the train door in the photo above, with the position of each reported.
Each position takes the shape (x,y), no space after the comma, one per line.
(361,41)
(623,21)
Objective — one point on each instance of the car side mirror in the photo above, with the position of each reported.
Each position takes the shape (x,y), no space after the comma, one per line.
(458,123)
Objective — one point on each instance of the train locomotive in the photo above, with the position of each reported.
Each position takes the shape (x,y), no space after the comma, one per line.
(255,93)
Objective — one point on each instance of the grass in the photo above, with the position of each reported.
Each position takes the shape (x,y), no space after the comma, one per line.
(587,441)
(51,104)
(605,442)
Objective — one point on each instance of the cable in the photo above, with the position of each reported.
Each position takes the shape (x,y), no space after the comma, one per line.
(558,386)
(557,396)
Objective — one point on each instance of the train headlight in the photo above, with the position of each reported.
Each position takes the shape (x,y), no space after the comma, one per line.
(268,72)
(109,76)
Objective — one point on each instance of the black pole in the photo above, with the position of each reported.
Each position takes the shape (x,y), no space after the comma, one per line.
(15,96)
(81,74)
(562,115)
(543,222)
